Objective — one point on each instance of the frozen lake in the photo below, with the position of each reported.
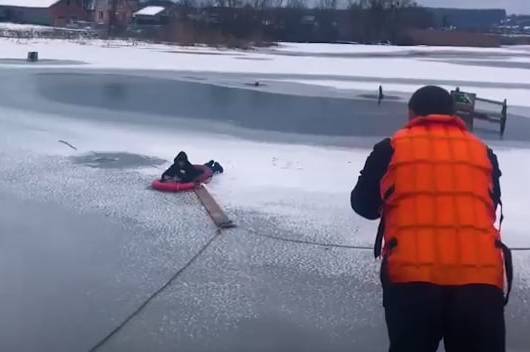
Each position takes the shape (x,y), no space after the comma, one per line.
(85,243)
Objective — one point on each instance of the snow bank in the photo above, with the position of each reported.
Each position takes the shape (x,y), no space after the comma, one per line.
(160,57)
(23,27)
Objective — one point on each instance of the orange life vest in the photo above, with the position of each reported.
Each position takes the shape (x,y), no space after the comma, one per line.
(439,216)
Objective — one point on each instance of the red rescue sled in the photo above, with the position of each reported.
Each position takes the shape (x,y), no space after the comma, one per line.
(205,177)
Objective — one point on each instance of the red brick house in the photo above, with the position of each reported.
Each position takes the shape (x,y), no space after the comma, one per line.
(43,12)
(123,15)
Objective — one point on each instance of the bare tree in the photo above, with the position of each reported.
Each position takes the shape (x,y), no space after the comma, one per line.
(188,4)
(112,17)
(327,4)
(261,4)
(228,3)
(207,3)
(296,4)
(352,4)
(234,3)
(385,4)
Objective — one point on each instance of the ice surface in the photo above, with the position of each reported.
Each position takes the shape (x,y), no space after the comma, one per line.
(268,178)
(247,292)
(82,248)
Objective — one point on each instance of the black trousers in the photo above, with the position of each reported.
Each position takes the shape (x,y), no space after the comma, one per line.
(468,318)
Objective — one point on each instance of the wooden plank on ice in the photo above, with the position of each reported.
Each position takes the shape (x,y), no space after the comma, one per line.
(217,214)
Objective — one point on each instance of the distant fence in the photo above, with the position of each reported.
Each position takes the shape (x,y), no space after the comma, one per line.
(452,38)
(47,32)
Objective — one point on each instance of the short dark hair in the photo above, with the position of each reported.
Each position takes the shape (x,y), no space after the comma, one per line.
(182,156)
(431,100)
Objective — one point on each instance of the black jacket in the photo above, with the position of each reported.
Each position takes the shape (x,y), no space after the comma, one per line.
(186,173)
(365,197)
(182,169)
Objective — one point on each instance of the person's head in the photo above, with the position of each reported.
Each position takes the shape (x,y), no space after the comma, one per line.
(181,159)
(430,100)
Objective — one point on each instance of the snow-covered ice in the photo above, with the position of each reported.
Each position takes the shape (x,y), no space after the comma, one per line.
(269,178)
(270,188)
(246,289)
(24,27)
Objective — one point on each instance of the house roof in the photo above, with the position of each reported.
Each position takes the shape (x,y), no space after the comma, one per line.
(148,11)
(29,3)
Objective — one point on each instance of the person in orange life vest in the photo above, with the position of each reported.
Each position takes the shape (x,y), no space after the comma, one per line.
(435,187)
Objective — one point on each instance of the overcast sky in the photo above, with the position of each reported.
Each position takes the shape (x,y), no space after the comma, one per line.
(512,6)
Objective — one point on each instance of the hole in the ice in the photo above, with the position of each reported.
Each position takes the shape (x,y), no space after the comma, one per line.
(117,160)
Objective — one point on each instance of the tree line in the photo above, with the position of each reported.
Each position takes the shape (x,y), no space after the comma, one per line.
(256,21)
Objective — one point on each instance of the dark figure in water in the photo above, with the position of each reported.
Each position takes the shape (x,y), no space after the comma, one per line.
(380,96)
(183,171)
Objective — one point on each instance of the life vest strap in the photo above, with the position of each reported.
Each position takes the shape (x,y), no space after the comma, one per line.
(378,245)
(508,267)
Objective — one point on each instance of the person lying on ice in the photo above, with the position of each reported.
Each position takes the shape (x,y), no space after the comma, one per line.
(183,171)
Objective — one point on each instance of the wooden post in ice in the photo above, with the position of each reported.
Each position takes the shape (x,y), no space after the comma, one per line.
(504,116)
(381,96)
(33,56)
